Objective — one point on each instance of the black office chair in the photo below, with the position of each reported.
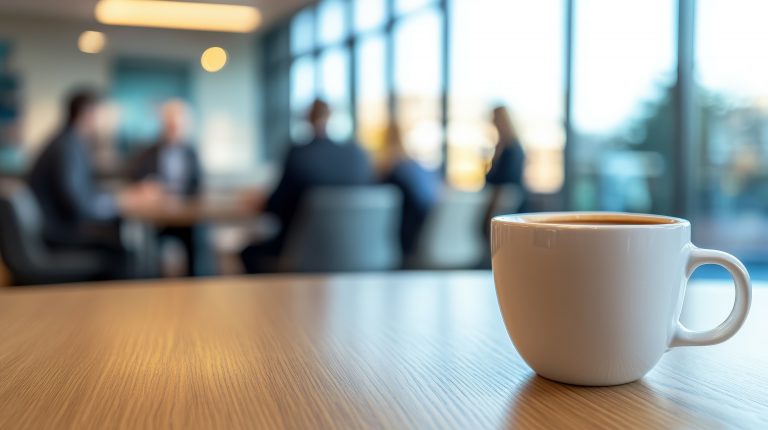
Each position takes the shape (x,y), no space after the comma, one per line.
(25,253)
(346,229)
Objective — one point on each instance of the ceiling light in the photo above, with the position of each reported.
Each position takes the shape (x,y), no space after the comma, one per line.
(213,59)
(178,15)
(91,42)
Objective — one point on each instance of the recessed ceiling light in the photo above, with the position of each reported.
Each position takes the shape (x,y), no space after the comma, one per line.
(213,59)
(91,42)
(179,15)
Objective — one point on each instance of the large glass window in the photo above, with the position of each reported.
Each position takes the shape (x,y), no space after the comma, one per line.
(332,21)
(302,93)
(303,32)
(370,14)
(334,88)
(418,85)
(623,117)
(731,155)
(406,6)
(512,56)
(372,110)
(625,142)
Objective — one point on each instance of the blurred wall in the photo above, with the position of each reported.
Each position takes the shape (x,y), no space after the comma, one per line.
(49,63)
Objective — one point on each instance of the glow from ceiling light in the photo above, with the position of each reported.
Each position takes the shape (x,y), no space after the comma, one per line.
(91,42)
(213,59)
(178,15)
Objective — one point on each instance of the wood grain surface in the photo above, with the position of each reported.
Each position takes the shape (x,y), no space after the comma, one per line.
(420,350)
(175,212)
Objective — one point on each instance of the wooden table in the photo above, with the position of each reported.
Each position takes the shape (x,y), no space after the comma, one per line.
(143,222)
(175,212)
(421,350)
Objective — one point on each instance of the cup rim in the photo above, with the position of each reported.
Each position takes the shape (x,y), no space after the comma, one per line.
(550,220)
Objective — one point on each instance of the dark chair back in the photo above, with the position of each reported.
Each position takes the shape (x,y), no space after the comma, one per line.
(344,229)
(24,250)
(21,243)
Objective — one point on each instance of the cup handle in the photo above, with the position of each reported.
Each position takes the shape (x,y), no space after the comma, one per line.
(732,324)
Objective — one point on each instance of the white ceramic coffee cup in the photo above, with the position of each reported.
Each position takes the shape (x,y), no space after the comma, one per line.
(594,298)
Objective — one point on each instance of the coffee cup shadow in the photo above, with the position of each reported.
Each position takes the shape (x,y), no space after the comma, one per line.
(540,402)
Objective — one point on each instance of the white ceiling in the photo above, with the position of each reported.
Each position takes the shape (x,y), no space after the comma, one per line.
(82,10)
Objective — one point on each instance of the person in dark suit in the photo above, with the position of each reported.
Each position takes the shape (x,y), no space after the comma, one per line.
(77,213)
(319,162)
(420,188)
(172,162)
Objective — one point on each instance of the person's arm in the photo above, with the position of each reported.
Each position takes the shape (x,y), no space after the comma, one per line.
(194,182)
(76,189)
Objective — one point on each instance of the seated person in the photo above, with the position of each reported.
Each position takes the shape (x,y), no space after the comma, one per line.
(173,163)
(76,212)
(319,162)
(419,186)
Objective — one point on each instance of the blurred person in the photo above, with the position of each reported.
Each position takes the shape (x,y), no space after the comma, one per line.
(77,213)
(172,162)
(319,162)
(419,186)
(508,158)
(507,165)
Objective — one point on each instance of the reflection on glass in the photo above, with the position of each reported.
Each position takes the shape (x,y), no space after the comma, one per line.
(369,14)
(372,114)
(303,32)
(508,53)
(405,6)
(732,154)
(622,105)
(303,92)
(418,86)
(332,21)
(334,74)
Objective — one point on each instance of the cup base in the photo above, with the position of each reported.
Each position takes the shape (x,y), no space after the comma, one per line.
(586,384)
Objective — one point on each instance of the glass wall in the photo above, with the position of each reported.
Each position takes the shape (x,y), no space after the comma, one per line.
(511,57)
(334,76)
(302,91)
(418,85)
(731,148)
(592,86)
(372,109)
(623,80)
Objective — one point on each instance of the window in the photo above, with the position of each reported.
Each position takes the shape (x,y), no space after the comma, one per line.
(623,117)
(731,155)
(334,74)
(418,86)
(372,110)
(303,32)
(369,14)
(514,57)
(302,94)
(332,21)
(406,6)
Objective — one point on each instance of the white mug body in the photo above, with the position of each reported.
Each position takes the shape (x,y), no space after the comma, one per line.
(590,304)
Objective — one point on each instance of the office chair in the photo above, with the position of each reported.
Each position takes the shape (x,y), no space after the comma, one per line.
(346,229)
(452,237)
(22,247)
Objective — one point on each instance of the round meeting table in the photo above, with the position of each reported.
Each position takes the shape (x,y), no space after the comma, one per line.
(142,222)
